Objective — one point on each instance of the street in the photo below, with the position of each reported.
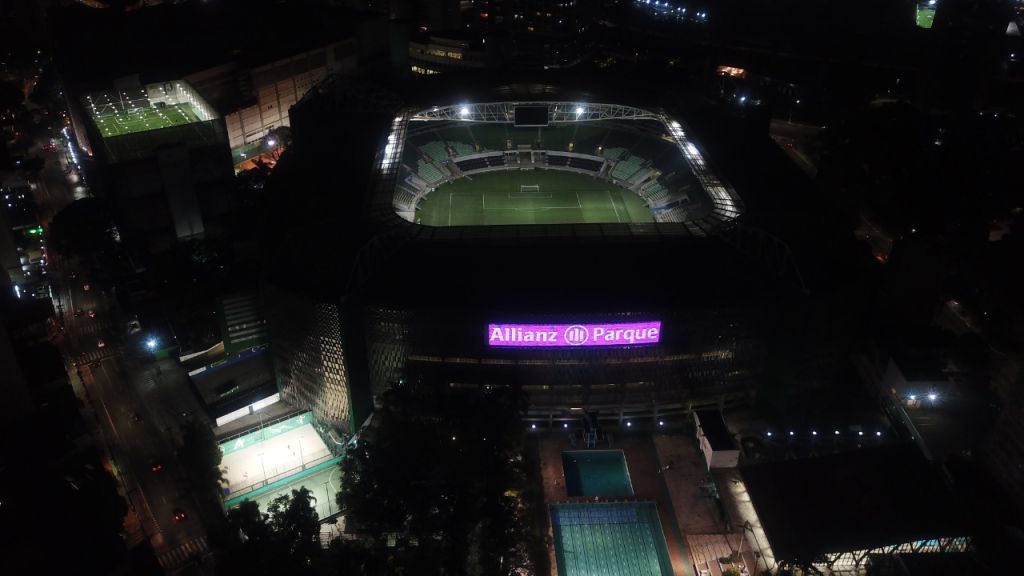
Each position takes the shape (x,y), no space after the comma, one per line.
(135,405)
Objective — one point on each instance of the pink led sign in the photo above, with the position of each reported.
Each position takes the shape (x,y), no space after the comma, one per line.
(555,335)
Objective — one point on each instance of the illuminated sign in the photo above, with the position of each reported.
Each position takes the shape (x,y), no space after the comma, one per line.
(554,335)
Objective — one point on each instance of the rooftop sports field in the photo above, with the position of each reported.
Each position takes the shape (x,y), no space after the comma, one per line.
(530,197)
(112,122)
(611,539)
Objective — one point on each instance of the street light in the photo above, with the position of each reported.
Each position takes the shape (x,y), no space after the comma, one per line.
(151,343)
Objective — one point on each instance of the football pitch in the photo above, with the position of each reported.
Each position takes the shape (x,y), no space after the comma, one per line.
(530,197)
(141,119)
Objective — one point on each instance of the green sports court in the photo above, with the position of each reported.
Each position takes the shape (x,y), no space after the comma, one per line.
(112,122)
(530,197)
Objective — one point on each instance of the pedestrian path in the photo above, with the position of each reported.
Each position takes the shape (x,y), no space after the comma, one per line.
(97,327)
(184,554)
(90,356)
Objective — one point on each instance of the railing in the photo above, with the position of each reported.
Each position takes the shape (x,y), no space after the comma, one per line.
(277,476)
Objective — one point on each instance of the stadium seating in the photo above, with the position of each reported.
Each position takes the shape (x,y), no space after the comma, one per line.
(625,169)
(405,199)
(585,164)
(470,165)
(462,149)
(613,153)
(653,192)
(435,150)
(429,172)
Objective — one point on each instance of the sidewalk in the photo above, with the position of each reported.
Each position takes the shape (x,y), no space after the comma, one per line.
(685,471)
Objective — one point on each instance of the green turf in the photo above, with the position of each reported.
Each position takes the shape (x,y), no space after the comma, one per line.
(925,16)
(494,198)
(115,123)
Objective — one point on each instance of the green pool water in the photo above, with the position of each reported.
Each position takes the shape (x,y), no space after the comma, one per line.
(596,473)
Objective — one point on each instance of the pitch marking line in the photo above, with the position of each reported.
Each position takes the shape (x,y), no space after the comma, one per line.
(612,199)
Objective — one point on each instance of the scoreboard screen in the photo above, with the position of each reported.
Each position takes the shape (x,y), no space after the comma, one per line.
(531,116)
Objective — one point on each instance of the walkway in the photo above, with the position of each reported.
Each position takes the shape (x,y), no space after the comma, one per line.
(642,463)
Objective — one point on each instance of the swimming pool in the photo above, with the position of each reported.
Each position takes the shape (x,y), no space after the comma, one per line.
(610,539)
(596,473)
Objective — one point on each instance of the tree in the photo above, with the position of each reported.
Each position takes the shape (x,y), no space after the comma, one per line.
(46,92)
(294,521)
(444,470)
(201,457)
(284,540)
(11,96)
(83,228)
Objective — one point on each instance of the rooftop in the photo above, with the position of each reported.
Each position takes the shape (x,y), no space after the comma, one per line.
(852,501)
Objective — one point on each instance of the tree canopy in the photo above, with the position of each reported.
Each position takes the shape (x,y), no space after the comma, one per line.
(83,228)
(440,475)
(283,540)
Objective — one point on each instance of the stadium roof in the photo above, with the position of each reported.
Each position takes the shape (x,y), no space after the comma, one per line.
(336,176)
(851,501)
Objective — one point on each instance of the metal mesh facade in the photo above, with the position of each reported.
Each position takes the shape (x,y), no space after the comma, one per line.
(309,362)
(706,356)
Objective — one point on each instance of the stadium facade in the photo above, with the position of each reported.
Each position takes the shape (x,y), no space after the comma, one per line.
(622,318)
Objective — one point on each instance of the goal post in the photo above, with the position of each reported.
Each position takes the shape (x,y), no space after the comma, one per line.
(529,188)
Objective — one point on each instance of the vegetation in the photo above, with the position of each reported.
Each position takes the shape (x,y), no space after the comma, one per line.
(437,485)
(84,229)
(284,540)
(201,457)
(75,500)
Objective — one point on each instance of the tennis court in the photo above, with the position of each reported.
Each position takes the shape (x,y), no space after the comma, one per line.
(530,197)
(610,539)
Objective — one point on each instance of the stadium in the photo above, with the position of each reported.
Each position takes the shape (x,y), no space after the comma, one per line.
(508,163)
(579,245)
(592,230)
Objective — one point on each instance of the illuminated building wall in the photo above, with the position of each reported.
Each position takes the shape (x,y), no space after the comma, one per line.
(309,363)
